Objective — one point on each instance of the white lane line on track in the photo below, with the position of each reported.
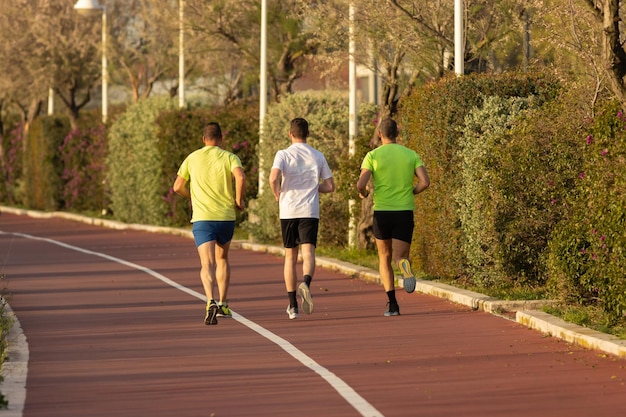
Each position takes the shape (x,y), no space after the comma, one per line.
(350,395)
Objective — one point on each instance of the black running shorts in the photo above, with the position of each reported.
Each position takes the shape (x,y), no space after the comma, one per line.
(394,225)
(298,231)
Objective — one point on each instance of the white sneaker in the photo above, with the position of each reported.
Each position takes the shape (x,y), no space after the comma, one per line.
(293,312)
(307,301)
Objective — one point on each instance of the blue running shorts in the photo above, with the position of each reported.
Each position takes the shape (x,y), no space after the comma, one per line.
(207,230)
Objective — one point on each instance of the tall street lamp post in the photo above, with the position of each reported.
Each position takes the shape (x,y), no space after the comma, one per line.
(352,118)
(181,56)
(92,8)
(459,38)
(262,90)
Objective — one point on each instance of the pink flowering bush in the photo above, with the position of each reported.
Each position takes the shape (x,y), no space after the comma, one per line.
(587,260)
(82,157)
(11,165)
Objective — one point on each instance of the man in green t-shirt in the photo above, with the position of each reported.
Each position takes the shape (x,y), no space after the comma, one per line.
(392,168)
(216,187)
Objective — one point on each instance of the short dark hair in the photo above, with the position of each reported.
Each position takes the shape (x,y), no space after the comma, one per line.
(299,128)
(388,128)
(212,131)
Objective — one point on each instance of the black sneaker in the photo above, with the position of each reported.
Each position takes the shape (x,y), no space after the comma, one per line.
(392,310)
(211,314)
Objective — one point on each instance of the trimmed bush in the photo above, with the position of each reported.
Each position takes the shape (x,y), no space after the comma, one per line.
(42,164)
(479,196)
(433,117)
(82,156)
(134,164)
(537,169)
(587,261)
(11,167)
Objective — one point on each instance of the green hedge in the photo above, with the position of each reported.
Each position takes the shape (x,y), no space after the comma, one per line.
(537,171)
(587,261)
(134,163)
(432,119)
(82,157)
(42,165)
(11,166)
(479,193)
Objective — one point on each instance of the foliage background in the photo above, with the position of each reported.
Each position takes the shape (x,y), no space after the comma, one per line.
(587,262)
(42,167)
(134,164)
(433,118)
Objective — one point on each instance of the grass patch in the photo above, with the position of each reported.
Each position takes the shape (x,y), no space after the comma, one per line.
(591,317)
(359,257)
(509,293)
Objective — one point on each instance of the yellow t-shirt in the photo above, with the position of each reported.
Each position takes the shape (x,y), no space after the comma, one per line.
(209,172)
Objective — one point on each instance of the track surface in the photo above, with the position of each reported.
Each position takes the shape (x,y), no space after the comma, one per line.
(114,323)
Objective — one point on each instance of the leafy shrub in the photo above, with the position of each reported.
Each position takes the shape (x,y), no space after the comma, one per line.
(11,165)
(478,195)
(82,157)
(587,261)
(432,118)
(327,114)
(537,169)
(134,163)
(42,164)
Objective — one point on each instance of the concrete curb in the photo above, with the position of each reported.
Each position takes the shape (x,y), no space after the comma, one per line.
(526,312)
(15,367)
(572,333)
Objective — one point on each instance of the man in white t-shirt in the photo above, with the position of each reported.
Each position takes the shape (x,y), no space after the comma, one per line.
(299,173)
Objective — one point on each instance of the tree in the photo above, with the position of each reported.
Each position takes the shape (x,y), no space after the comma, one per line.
(144,45)
(607,22)
(583,39)
(231,31)
(21,73)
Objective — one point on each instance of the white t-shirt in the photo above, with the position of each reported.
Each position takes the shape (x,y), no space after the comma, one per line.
(302,168)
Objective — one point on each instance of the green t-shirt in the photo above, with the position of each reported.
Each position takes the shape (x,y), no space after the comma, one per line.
(209,172)
(393,169)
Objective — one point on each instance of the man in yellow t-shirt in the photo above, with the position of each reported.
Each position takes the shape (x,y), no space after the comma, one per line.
(216,187)
(392,168)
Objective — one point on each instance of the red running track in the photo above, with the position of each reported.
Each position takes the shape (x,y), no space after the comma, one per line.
(114,324)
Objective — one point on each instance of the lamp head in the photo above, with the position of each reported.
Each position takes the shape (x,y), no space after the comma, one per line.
(89,7)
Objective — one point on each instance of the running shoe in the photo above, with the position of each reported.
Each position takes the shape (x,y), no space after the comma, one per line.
(392,310)
(307,301)
(292,312)
(224,311)
(211,314)
(407,275)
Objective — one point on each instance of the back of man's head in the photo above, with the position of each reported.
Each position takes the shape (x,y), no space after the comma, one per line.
(299,128)
(212,131)
(388,128)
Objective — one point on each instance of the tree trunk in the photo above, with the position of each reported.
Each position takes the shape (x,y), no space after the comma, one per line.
(613,54)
